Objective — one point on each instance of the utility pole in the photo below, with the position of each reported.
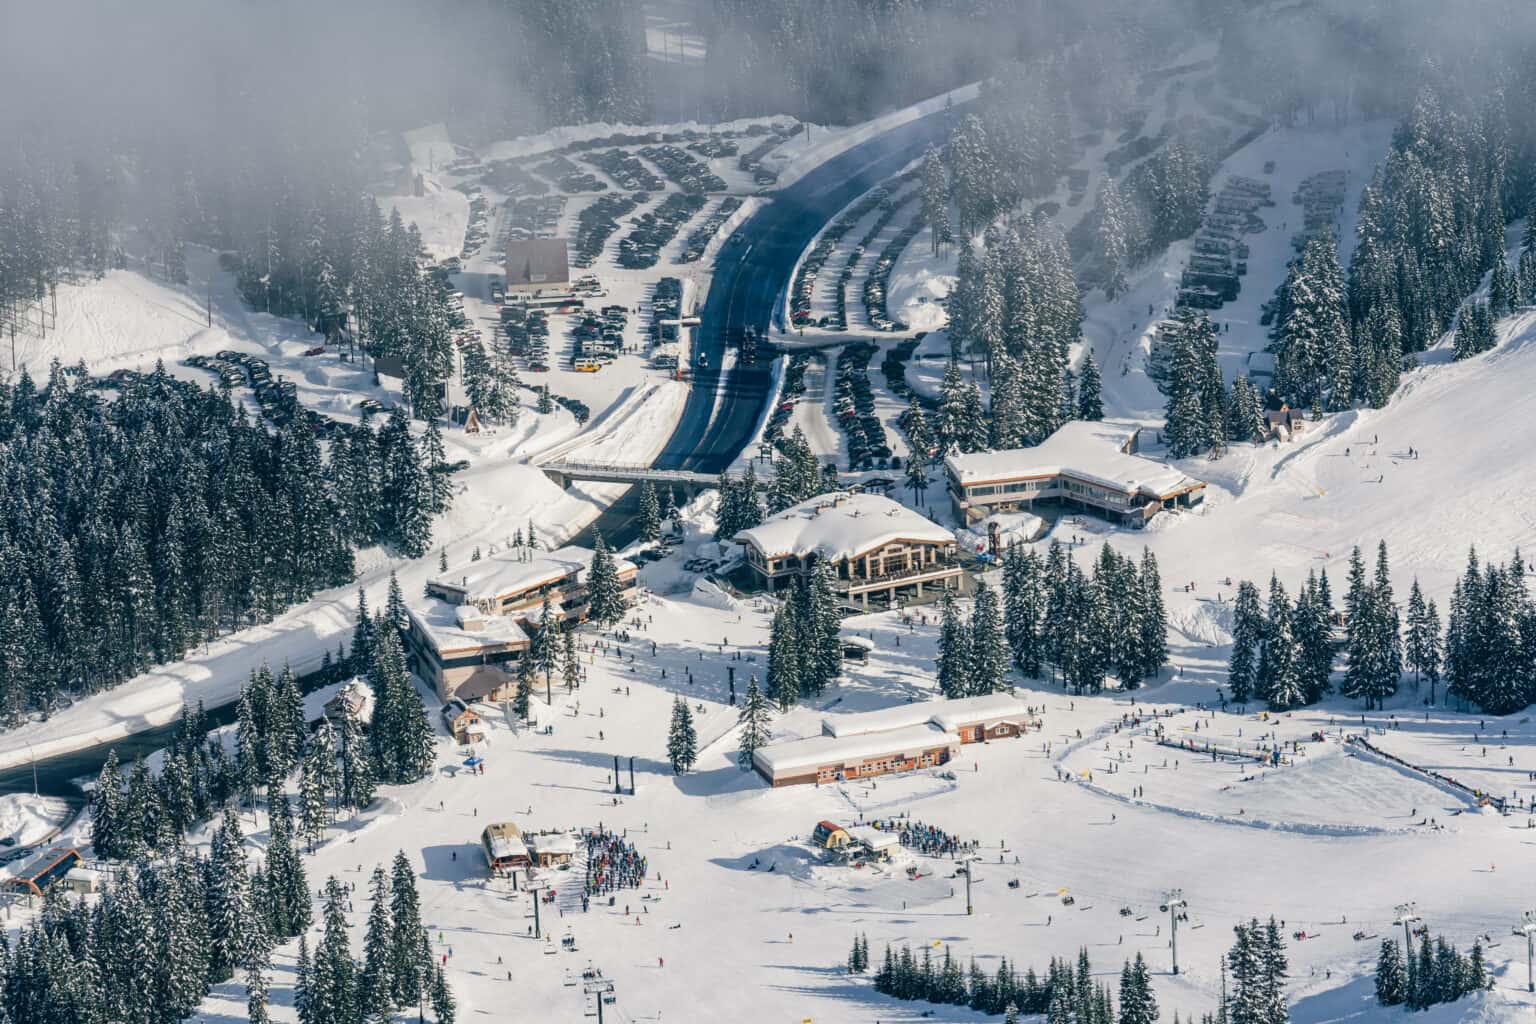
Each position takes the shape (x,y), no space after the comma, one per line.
(1527,927)
(968,866)
(1175,903)
(1406,915)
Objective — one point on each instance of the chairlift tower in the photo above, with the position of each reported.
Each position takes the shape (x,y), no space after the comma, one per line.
(1527,927)
(1174,902)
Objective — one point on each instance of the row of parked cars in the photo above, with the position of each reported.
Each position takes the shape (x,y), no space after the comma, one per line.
(853,404)
(880,276)
(600,335)
(479,210)
(690,174)
(625,169)
(568,177)
(597,223)
(512,179)
(789,393)
(527,332)
(804,290)
(700,237)
(653,229)
(279,399)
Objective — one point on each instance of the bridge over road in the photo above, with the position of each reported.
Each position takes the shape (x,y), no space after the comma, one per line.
(564,473)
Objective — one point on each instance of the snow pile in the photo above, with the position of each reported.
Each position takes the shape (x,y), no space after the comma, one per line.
(710,595)
(440,213)
(26,819)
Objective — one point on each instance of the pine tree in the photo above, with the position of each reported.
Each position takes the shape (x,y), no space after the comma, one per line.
(409,969)
(682,741)
(784,657)
(1090,404)
(987,664)
(1138,1005)
(376,983)
(1248,631)
(755,719)
(954,647)
(1391,979)
(443,1006)
(357,770)
(649,518)
(606,604)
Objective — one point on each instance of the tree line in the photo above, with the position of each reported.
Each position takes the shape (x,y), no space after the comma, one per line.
(1284,653)
(133,530)
(1437,973)
(1256,965)
(1053,615)
(336,767)
(166,930)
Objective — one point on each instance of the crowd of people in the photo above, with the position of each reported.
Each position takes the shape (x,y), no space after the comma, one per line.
(928,839)
(612,863)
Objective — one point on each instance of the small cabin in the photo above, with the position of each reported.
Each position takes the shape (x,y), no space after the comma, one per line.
(505,849)
(552,849)
(857,649)
(830,836)
(45,870)
(83,881)
(464,723)
(1285,423)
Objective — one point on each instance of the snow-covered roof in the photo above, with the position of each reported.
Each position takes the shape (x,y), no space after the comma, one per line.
(1086,450)
(951,715)
(816,751)
(506,574)
(946,715)
(861,642)
(457,627)
(554,843)
(874,838)
(839,526)
(862,723)
(504,839)
(1261,364)
(356,694)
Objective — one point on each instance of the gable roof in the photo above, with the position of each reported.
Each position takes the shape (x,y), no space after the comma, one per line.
(841,526)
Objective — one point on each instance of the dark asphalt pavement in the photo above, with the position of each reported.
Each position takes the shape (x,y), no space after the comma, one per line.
(753,271)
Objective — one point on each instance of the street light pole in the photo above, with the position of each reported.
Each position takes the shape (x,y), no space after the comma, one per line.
(1175,904)
(1527,927)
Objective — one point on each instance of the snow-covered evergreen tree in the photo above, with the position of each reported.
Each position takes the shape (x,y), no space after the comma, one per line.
(756,720)
(682,740)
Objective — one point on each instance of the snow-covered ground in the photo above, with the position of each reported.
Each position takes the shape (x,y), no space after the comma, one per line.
(26,819)
(1328,843)
(131,319)
(1120,331)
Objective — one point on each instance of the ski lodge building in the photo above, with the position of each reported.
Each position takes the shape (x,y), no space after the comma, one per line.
(1086,465)
(896,739)
(466,637)
(536,265)
(504,846)
(876,547)
(45,870)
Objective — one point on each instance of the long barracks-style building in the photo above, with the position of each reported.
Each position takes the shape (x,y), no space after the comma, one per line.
(1086,465)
